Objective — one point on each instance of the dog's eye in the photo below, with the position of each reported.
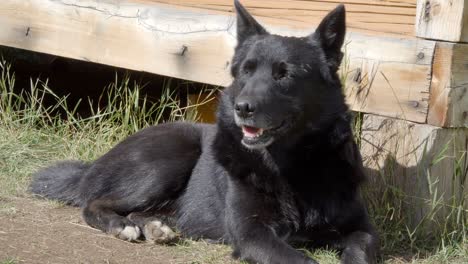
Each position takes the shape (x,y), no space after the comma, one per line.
(249,67)
(280,71)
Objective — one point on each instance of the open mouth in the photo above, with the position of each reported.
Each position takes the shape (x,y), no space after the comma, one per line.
(252,132)
(255,137)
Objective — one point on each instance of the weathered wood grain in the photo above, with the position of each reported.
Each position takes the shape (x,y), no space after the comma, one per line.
(442,20)
(391,80)
(374,17)
(153,38)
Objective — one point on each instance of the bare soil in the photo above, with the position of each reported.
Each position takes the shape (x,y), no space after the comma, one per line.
(37,231)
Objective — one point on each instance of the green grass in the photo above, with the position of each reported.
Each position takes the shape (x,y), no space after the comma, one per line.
(439,235)
(8,261)
(33,135)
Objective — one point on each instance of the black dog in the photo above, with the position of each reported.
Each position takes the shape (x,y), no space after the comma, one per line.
(279,168)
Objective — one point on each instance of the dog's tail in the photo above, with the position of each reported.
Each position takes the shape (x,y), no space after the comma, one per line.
(60,182)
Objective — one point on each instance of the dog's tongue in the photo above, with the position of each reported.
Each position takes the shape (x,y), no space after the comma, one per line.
(251,131)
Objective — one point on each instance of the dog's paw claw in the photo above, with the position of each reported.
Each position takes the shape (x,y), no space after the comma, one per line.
(158,232)
(129,233)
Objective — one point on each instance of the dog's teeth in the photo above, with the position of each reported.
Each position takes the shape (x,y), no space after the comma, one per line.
(251,134)
(260,132)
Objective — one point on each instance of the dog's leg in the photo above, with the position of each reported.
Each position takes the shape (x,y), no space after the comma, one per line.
(154,228)
(360,247)
(103,214)
(255,243)
(250,217)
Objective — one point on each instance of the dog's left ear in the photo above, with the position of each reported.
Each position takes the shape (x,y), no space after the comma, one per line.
(330,35)
(247,26)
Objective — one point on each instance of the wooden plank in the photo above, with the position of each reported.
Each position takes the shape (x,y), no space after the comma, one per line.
(390,80)
(442,20)
(373,17)
(448,105)
(155,38)
(191,44)
(417,162)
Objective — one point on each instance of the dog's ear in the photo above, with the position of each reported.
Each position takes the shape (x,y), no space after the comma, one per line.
(330,35)
(247,26)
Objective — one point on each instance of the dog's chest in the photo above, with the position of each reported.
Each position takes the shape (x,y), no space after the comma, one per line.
(314,191)
(303,214)
(310,188)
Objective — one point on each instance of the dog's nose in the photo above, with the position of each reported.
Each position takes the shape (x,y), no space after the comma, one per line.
(244,109)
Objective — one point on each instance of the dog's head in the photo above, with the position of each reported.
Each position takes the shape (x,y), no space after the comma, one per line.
(283,86)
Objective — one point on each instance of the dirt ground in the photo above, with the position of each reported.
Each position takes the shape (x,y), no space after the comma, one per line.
(37,231)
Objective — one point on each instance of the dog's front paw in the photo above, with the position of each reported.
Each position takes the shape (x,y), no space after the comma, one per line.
(158,232)
(129,233)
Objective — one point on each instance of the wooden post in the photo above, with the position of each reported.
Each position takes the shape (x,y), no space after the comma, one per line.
(424,164)
(448,103)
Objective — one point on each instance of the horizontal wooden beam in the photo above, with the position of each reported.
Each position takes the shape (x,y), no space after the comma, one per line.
(373,17)
(388,77)
(385,75)
(442,20)
(448,105)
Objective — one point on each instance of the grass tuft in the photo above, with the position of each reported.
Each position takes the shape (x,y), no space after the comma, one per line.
(8,261)
(33,134)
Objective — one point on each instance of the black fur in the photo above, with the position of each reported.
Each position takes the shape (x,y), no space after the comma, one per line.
(59,182)
(297,183)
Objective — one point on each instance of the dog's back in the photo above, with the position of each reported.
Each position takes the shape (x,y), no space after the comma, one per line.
(169,150)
